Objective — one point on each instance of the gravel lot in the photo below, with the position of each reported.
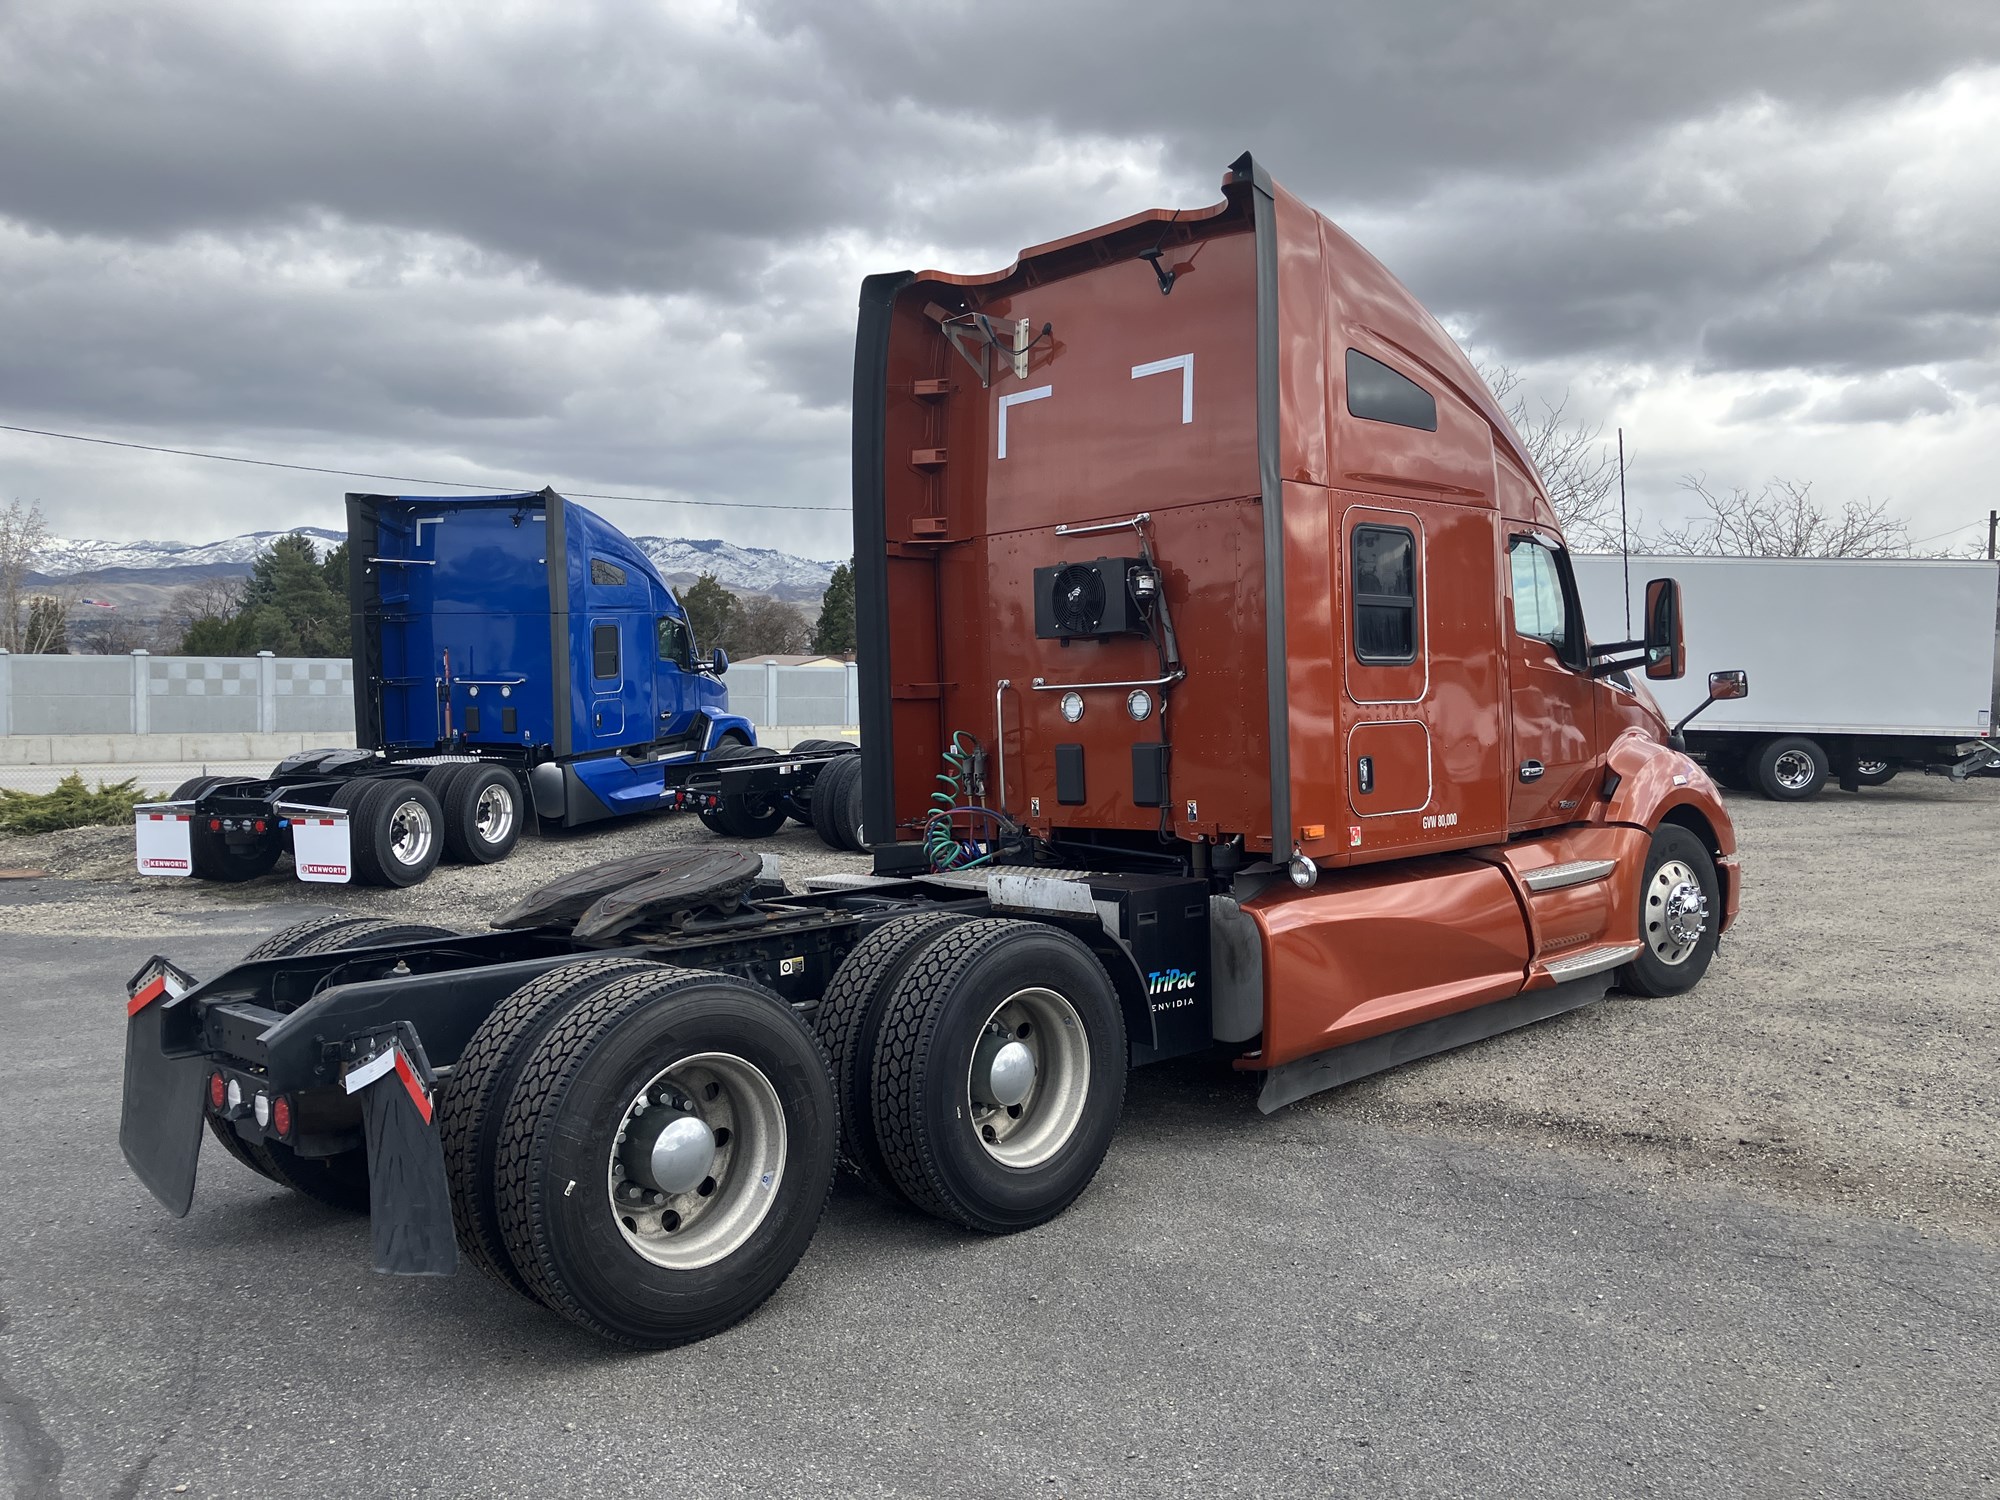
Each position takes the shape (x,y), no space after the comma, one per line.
(1744,1242)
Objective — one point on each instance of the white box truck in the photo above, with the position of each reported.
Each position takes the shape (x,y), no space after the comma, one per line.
(1859,667)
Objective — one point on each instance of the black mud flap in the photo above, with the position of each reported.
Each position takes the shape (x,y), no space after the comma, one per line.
(409,1199)
(159,1125)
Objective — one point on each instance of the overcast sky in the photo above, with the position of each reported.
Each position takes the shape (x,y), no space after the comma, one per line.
(616,246)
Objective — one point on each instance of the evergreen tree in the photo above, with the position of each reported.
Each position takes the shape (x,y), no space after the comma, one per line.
(712,612)
(289,605)
(334,568)
(834,635)
(48,627)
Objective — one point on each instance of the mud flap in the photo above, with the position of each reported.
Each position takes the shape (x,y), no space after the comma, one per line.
(409,1198)
(159,1124)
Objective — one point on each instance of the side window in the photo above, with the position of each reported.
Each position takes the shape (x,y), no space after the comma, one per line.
(1539,611)
(608,574)
(1385,594)
(1377,393)
(603,651)
(675,644)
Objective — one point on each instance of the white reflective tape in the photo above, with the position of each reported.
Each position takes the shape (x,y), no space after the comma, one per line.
(1040,392)
(1185,364)
(362,1074)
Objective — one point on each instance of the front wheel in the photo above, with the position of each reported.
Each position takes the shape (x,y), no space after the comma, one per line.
(1680,916)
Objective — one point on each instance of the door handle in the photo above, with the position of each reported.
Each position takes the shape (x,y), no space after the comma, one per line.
(1531,770)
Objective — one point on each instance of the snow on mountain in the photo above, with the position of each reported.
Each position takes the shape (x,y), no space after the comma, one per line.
(743,570)
(61,557)
(751,570)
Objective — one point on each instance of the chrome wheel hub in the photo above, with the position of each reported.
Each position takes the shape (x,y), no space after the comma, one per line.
(1676,914)
(697,1160)
(1029,1078)
(494,814)
(1794,770)
(410,832)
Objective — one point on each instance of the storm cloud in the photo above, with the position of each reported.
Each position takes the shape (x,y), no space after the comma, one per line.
(616,246)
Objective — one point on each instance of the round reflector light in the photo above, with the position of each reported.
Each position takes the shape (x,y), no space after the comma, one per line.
(216,1097)
(281,1116)
(261,1108)
(234,1094)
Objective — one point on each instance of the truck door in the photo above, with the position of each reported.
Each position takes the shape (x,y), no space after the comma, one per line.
(673,670)
(1553,699)
(607,680)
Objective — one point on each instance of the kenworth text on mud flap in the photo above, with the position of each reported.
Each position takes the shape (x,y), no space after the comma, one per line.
(1225,690)
(533,643)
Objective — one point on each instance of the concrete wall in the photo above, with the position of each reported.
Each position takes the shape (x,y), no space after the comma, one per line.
(92,710)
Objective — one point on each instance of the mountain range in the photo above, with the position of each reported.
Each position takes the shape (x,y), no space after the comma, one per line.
(139,575)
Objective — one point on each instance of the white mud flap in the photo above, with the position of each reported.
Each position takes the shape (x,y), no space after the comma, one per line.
(320,843)
(164,838)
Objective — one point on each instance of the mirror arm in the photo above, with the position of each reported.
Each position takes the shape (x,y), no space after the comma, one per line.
(1690,716)
(1626,664)
(1617,646)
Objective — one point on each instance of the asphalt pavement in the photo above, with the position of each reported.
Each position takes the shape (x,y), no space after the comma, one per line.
(1318,1302)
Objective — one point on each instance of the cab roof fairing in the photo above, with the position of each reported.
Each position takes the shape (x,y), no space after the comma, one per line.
(1397,317)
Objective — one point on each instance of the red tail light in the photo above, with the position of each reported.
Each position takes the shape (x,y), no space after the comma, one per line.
(281,1117)
(217,1091)
(215,825)
(258,825)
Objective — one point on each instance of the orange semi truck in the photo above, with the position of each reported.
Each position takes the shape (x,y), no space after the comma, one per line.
(1220,548)
(1224,689)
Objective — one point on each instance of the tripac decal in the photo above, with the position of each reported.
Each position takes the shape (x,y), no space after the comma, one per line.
(1169,981)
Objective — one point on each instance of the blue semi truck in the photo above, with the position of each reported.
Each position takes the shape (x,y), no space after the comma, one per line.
(517,660)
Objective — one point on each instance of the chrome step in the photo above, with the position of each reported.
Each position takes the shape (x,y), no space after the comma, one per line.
(1590,961)
(1576,872)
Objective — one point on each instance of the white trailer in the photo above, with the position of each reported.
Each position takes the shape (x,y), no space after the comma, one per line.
(1859,667)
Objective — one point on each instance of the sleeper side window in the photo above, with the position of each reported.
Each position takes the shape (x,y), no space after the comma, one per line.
(606,574)
(1377,393)
(1539,610)
(603,651)
(1385,594)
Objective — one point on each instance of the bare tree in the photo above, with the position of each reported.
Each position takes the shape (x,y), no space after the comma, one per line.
(1781,520)
(23,532)
(210,599)
(1578,468)
(768,627)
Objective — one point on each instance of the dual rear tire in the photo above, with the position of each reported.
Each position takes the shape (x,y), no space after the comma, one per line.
(644,1150)
(981,1067)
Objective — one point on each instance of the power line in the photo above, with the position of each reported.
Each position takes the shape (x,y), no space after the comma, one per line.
(1952,532)
(454,484)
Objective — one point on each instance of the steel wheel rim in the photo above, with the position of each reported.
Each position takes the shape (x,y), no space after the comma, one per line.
(1676,913)
(1027,1134)
(684,1231)
(493,814)
(410,832)
(1794,770)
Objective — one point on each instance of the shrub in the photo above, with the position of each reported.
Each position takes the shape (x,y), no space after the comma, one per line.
(70,805)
